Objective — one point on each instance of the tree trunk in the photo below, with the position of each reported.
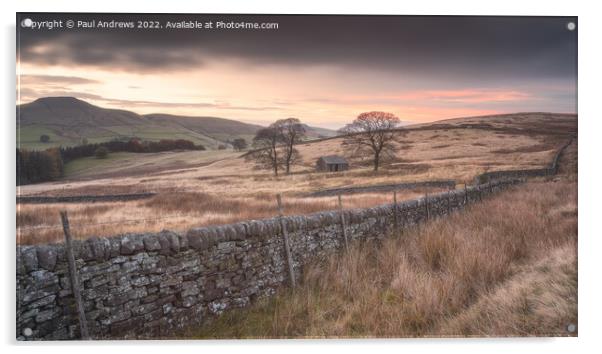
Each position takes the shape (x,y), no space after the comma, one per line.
(275,162)
(288,163)
(289,155)
(376,161)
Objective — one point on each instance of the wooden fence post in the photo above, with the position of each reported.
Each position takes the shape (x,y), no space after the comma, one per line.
(404,219)
(287,247)
(465,194)
(395,216)
(343,225)
(83,325)
(426,204)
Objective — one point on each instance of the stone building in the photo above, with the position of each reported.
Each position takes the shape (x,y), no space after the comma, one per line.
(332,163)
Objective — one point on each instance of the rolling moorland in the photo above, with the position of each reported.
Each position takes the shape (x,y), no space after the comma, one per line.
(68,120)
(491,270)
(195,188)
(505,266)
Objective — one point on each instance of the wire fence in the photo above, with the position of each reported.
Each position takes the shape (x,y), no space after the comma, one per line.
(121,221)
(87,227)
(125,221)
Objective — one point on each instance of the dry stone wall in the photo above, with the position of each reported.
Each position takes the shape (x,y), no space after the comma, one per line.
(82,198)
(448,183)
(551,170)
(153,285)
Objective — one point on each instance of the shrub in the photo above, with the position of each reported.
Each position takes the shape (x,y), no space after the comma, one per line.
(239,144)
(101,153)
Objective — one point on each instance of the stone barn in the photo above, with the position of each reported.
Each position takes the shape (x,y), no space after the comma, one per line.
(332,163)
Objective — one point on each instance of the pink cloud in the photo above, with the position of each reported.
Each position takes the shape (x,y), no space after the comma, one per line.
(452,96)
(470,95)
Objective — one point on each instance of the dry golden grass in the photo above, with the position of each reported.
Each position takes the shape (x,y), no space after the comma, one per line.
(421,155)
(493,270)
(40,223)
(541,300)
(504,267)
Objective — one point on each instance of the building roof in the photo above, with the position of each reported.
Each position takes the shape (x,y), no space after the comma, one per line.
(333,159)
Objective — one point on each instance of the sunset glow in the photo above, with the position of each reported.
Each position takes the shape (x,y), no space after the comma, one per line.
(324,91)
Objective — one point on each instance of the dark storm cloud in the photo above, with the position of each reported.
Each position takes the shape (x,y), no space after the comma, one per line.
(485,47)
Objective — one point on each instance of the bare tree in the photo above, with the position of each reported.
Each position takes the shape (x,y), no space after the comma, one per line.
(371,133)
(266,155)
(292,132)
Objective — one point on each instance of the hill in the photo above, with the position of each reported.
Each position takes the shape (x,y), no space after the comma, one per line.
(68,120)
(521,123)
(213,187)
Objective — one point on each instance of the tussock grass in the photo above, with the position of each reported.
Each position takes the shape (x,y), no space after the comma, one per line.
(421,155)
(179,211)
(504,267)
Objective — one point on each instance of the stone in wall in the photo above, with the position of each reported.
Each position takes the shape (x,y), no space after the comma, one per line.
(150,285)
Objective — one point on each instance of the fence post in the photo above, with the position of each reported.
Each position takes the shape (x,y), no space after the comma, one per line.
(426,204)
(395,216)
(465,194)
(404,220)
(287,247)
(83,325)
(343,224)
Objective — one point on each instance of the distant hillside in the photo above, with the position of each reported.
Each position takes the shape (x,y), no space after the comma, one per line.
(68,120)
(207,125)
(317,133)
(72,112)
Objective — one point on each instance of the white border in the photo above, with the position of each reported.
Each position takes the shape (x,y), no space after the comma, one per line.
(589,159)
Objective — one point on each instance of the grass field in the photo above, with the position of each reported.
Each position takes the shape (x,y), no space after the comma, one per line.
(221,186)
(29,136)
(125,163)
(489,271)
(504,267)
(80,166)
(177,211)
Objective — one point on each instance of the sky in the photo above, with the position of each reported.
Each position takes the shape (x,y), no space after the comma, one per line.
(324,70)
